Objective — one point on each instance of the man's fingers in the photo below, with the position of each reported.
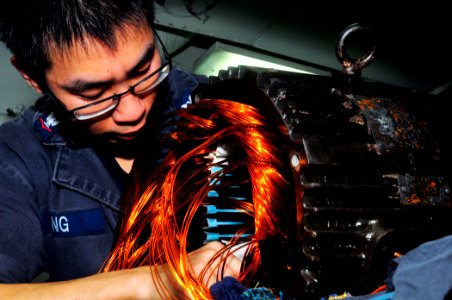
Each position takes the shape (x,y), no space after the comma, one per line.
(225,265)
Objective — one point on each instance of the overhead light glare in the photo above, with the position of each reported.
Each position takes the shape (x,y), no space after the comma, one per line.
(221,57)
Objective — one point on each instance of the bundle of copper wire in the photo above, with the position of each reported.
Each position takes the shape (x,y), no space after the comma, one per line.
(159,211)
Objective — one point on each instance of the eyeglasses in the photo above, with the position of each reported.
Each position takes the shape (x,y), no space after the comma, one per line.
(145,85)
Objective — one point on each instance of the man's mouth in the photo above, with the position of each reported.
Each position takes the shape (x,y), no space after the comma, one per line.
(127,136)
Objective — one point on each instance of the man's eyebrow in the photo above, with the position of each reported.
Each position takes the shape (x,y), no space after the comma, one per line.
(146,58)
(79,86)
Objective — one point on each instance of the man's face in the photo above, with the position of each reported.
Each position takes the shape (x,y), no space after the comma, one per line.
(85,73)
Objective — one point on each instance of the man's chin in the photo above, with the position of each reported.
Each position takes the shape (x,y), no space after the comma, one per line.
(120,146)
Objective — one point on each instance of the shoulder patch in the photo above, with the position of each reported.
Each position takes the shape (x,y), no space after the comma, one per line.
(45,125)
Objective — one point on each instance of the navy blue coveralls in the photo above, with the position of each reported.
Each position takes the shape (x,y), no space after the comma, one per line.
(59,204)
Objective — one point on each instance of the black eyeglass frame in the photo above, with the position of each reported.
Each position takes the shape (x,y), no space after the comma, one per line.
(117,97)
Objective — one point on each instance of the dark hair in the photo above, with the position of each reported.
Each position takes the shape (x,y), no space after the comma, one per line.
(30,28)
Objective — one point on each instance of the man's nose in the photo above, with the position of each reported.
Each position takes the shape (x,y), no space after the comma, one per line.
(130,109)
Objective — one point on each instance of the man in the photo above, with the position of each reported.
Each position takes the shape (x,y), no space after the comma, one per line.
(63,163)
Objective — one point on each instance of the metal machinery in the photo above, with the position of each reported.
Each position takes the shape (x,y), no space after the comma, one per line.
(373,161)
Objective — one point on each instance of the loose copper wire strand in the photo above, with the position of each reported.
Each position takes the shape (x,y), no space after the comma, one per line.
(171,192)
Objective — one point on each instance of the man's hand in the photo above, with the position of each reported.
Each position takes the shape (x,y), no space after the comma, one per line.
(200,257)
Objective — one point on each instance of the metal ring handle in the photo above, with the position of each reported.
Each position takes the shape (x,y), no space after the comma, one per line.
(351,65)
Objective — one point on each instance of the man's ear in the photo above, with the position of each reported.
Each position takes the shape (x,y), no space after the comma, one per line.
(29,79)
